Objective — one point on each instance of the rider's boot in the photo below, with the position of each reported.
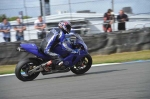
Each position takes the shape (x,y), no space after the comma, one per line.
(59,65)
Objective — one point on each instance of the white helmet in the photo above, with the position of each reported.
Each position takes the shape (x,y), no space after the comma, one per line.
(65,26)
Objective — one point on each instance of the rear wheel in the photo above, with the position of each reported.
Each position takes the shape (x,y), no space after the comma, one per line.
(23,67)
(83,65)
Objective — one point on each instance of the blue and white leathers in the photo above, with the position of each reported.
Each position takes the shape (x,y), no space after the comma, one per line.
(52,39)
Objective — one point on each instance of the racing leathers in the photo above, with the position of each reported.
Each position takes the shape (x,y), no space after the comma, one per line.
(51,40)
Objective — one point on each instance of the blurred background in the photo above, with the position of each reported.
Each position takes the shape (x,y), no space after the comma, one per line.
(86,16)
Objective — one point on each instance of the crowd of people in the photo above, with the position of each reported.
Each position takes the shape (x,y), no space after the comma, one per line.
(40,26)
(109,19)
(20,27)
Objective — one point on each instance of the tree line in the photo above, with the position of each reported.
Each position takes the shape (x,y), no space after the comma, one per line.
(12,18)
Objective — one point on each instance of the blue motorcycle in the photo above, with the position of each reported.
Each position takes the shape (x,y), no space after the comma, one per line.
(79,63)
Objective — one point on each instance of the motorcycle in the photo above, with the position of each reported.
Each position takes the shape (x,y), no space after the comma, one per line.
(79,63)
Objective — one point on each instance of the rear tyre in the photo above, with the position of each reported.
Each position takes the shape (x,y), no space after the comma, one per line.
(22,68)
(83,66)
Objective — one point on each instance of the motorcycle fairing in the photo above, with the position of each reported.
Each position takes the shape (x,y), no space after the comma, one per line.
(33,49)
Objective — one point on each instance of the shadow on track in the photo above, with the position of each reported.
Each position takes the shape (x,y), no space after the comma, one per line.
(90,73)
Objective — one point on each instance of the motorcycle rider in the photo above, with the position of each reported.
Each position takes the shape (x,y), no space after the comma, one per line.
(47,45)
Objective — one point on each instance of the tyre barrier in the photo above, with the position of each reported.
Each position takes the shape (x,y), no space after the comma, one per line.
(102,43)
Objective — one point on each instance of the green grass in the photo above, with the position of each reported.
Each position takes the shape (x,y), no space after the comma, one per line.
(7,69)
(121,57)
(98,59)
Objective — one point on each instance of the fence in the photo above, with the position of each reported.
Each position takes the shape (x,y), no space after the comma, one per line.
(30,32)
(35,8)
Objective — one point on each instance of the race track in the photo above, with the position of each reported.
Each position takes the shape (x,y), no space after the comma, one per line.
(122,81)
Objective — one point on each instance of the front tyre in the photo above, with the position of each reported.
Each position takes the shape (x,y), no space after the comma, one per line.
(22,68)
(83,65)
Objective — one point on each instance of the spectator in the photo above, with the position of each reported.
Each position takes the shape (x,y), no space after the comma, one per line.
(40,26)
(108,20)
(19,28)
(122,18)
(5,29)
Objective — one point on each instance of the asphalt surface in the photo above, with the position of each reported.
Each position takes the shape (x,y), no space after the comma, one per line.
(123,81)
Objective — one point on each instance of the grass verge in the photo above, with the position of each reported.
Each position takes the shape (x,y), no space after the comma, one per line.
(7,69)
(98,59)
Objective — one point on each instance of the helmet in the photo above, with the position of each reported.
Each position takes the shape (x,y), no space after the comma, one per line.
(65,26)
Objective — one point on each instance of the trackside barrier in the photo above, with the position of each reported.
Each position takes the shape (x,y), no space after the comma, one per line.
(102,43)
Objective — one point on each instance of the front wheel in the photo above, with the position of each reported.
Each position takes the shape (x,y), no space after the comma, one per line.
(83,65)
(22,68)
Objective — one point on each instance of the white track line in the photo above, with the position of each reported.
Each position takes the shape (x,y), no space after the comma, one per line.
(106,64)
(96,65)
(7,75)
